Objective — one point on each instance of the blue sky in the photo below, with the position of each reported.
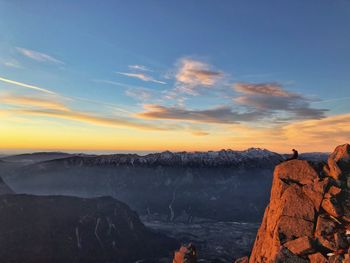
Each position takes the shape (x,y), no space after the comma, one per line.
(177,66)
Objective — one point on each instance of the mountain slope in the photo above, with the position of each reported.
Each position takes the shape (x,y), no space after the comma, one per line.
(4,188)
(29,158)
(69,229)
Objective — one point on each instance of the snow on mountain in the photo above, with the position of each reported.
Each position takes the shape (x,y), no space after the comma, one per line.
(252,157)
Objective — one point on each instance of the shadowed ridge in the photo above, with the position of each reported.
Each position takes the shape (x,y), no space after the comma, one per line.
(4,188)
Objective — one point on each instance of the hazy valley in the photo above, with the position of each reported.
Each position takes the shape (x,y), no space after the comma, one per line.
(192,197)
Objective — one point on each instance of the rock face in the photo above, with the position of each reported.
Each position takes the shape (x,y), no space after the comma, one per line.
(308,217)
(186,254)
(70,229)
(4,188)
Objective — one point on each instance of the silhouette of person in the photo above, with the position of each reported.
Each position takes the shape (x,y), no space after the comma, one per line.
(294,156)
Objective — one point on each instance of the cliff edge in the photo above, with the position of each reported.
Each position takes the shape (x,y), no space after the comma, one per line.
(308,217)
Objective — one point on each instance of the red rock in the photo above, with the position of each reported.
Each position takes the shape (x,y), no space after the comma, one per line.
(331,206)
(297,171)
(334,190)
(290,213)
(339,160)
(300,246)
(332,169)
(316,190)
(289,228)
(304,207)
(317,258)
(186,254)
(325,229)
(296,204)
(341,154)
(336,259)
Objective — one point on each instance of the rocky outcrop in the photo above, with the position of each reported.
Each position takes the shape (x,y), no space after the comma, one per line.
(69,229)
(4,188)
(186,254)
(308,217)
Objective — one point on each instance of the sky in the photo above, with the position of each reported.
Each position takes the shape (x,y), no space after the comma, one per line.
(109,76)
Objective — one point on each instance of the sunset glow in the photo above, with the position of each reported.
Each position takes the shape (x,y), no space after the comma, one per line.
(136,79)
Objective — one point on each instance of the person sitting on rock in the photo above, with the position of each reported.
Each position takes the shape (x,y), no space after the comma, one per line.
(294,156)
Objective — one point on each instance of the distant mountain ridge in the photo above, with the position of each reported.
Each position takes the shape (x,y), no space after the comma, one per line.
(197,158)
(28,158)
(252,157)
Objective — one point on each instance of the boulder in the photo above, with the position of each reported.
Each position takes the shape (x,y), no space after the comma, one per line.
(300,246)
(296,171)
(339,162)
(316,190)
(286,256)
(325,229)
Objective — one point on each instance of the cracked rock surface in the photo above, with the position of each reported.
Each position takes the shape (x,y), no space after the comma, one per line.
(308,217)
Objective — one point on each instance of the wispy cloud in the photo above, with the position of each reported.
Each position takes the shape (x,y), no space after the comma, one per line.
(258,103)
(38,56)
(222,114)
(200,133)
(24,85)
(139,67)
(335,128)
(268,89)
(111,82)
(272,98)
(50,107)
(33,102)
(138,93)
(90,118)
(193,73)
(141,76)
(12,63)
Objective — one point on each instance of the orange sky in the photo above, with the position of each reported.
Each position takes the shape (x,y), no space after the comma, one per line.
(33,133)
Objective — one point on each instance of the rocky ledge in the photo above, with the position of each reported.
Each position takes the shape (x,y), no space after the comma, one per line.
(308,217)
